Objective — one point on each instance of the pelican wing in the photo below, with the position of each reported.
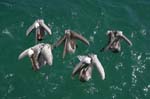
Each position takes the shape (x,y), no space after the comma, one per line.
(23,54)
(108,46)
(46,28)
(60,41)
(29,30)
(80,37)
(77,68)
(41,60)
(126,39)
(99,66)
(47,54)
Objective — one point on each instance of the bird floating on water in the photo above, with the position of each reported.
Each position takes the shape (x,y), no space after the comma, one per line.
(114,41)
(69,40)
(40,54)
(40,27)
(85,66)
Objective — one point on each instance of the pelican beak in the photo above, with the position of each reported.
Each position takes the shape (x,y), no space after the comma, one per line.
(99,66)
(28,52)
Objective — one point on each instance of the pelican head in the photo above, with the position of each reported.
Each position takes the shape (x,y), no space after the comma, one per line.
(119,33)
(30,52)
(36,24)
(67,32)
(108,32)
(85,59)
(40,20)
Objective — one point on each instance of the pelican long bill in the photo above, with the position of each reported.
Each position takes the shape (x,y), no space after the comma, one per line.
(127,40)
(80,37)
(23,54)
(29,30)
(60,41)
(45,27)
(99,66)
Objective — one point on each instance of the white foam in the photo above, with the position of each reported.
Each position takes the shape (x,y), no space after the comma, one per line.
(118,66)
(146,89)
(6,4)
(74,13)
(139,57)
(124,84)
(115,88)
(143,32)
(92,38)
(22,24)
(91,90)
(138,67)
(10,88)
(134,78)
(9,75)
(114,96)
(46,77)
(8,33)
(132,34)
(94,32)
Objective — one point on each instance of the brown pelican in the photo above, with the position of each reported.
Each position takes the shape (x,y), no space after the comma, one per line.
(69,40)
(85,66)
(114,41)
(40,54)
(40,27)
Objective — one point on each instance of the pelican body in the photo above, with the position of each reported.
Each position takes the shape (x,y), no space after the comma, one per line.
(85,67)
(114,41)
(69,40)
(40,27)
(40,54)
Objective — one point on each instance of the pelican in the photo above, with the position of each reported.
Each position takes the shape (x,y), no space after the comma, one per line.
(85,66)
(40,54)
(40,27)
(114,41)
(69,40)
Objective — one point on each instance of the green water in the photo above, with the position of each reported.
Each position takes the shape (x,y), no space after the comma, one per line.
(127,73)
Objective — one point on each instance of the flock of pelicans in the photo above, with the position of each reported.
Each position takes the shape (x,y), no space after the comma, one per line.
(41,53)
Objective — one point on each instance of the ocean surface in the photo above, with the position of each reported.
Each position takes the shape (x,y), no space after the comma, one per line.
(127,72)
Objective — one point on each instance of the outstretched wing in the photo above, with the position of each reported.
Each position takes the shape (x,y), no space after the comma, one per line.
(29,30)
(126,39)
(59,41)
(80,37)
(77,68)
(46,28)
(23,54)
